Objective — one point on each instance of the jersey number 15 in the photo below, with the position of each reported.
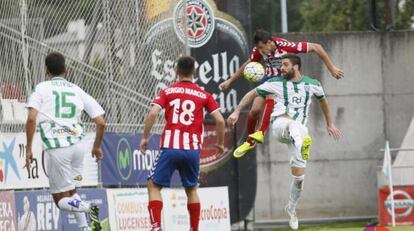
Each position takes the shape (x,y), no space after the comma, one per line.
(61,102)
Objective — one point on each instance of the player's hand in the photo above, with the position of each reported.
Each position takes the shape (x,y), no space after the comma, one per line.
(29,158)
(334,132)
(224,86)
(97,153)
(233,118)
(220,149)
(143,145)
(337,73)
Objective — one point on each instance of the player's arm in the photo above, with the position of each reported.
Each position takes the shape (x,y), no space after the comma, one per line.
(220,125)
(318,49)
(99,133)
(332,130)
(30,131)
(224,86)
(96,112)
(246,100)
(149,122)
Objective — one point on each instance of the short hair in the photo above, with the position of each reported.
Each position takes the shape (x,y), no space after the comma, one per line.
(185,66)
(293,58)
(261,35)
(55,63)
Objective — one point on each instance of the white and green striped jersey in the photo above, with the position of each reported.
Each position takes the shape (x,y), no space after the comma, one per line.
(292,97)
(60,104)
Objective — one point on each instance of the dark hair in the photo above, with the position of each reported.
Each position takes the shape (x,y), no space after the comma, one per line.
(185,66)
(293,58)
(55,63)
(261,35)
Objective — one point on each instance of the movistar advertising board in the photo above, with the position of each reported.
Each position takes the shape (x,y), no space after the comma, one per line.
(123,164)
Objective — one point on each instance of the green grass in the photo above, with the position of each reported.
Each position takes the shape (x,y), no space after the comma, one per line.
(356,226)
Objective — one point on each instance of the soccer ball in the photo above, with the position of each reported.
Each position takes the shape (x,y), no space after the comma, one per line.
(254,72)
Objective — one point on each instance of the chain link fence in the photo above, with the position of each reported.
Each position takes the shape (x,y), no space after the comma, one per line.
(112,49)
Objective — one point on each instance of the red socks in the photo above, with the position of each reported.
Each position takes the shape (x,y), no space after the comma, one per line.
(251,126)
(194,210)
(268,109)
(154,209)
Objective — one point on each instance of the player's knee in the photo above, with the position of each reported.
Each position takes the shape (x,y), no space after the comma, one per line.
(298,181)
(254,112)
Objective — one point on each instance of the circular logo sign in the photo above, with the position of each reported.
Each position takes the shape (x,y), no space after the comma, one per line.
(194,22)
(403,204)
(124,159)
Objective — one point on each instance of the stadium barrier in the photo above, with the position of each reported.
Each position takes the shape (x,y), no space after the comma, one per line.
(121,209)
(13,174)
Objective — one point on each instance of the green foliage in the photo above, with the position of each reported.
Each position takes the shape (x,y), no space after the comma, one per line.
(266,15)
(403,19)
(334,15)
(330,15)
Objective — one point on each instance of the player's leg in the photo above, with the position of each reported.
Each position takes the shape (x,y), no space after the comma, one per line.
(154,204)
(189,169)
(159,176)
(77,167)
(252,118)
(298,134)
(63,185)
(296,187)
(301,139)
(258,136)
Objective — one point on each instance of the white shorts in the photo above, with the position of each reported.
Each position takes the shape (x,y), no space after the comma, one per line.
(280,128)
(63,166)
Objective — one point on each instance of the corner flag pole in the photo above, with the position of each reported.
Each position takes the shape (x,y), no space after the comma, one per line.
(387,158)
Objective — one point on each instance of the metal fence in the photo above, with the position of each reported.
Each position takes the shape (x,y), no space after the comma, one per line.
(110,46)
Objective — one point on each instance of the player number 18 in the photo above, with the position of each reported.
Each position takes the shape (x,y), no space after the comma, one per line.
(186,116)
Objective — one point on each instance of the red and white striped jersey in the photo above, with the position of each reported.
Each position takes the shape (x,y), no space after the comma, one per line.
(272,61)
(184,104)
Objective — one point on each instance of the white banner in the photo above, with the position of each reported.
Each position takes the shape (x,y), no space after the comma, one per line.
(13,175)
(128,209)
(215,209)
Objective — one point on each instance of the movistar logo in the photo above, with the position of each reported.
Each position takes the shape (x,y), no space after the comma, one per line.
(124,159)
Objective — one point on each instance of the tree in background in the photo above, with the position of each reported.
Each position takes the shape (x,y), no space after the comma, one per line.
(405,14)
(266,15)
(334,15)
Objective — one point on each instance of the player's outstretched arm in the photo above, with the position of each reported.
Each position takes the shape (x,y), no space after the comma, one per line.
(224,86)
(246,100)
(30,131)
(149,122)
(318,49)
(332,130)
(100,128)
(220,125)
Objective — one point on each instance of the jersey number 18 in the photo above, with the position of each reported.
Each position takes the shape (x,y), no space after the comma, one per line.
(186,116)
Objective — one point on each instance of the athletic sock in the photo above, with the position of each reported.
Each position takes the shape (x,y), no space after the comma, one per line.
(154,209)
(194,210)
(80,216)
(251,126)
(266,115)
(73,205)
(295,191)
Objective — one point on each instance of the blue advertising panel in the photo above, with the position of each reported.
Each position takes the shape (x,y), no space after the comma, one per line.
(37,211)
(124,165)
(97,196)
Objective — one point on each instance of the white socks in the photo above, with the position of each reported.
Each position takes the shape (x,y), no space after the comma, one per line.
(72,204)
(80,216)
(295,191)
